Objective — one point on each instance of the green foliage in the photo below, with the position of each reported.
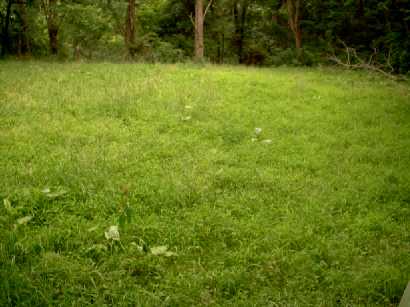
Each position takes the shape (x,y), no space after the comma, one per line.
(84,26)
(283,57)
(199,208)
(258,35)
(150,48)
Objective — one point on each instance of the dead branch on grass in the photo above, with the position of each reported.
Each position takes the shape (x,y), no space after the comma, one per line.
(354,61)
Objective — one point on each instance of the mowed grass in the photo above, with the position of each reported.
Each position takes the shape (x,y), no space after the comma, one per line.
(317,216)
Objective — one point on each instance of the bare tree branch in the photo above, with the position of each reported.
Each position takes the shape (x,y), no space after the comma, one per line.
(354,61)
(192,20)
(207,7)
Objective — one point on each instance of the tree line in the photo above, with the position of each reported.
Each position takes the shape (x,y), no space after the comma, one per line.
(256,32)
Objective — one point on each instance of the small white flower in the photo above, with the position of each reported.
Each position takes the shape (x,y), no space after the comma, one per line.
(258,131)
(159,250)
(112,233)
(94,228)
(24,220)
(162,251)
(138,247)
(7,205)
(267,141)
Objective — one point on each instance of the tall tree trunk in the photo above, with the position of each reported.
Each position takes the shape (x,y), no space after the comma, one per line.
(130,28)
(199,30)
(53,38)
(294,22)
(221,48)
(298,40)
(50,10)
(360,9)
(5,35)
(77,51)
(25,42)
(239,12)
(242,30)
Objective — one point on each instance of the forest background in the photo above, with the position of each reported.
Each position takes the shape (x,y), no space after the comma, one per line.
(354,33)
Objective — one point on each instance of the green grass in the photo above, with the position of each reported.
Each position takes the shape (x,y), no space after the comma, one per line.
(318,217)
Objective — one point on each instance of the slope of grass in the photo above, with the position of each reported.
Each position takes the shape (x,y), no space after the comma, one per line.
(313,211)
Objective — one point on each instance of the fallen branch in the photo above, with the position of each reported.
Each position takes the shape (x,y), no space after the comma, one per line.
(354,61)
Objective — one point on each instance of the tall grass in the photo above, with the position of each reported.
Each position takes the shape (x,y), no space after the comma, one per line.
(313,210)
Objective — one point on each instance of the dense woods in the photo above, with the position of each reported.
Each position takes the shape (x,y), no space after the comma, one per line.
(255,32)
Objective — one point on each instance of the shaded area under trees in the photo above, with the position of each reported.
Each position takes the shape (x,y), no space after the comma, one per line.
(257,32)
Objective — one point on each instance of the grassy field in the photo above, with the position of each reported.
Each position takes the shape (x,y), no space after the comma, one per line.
(312,211)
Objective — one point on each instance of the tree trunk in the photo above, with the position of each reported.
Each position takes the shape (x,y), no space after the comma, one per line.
(239,13)
(77,52)
(199,30)
(53,38)
(360,9)
(50,7)
(5,36)
(221,48)
(130,28)
(298,39)
(242,30)
(24,37)
(294,22)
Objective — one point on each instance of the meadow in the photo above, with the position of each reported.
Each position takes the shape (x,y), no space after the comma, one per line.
(182,185)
